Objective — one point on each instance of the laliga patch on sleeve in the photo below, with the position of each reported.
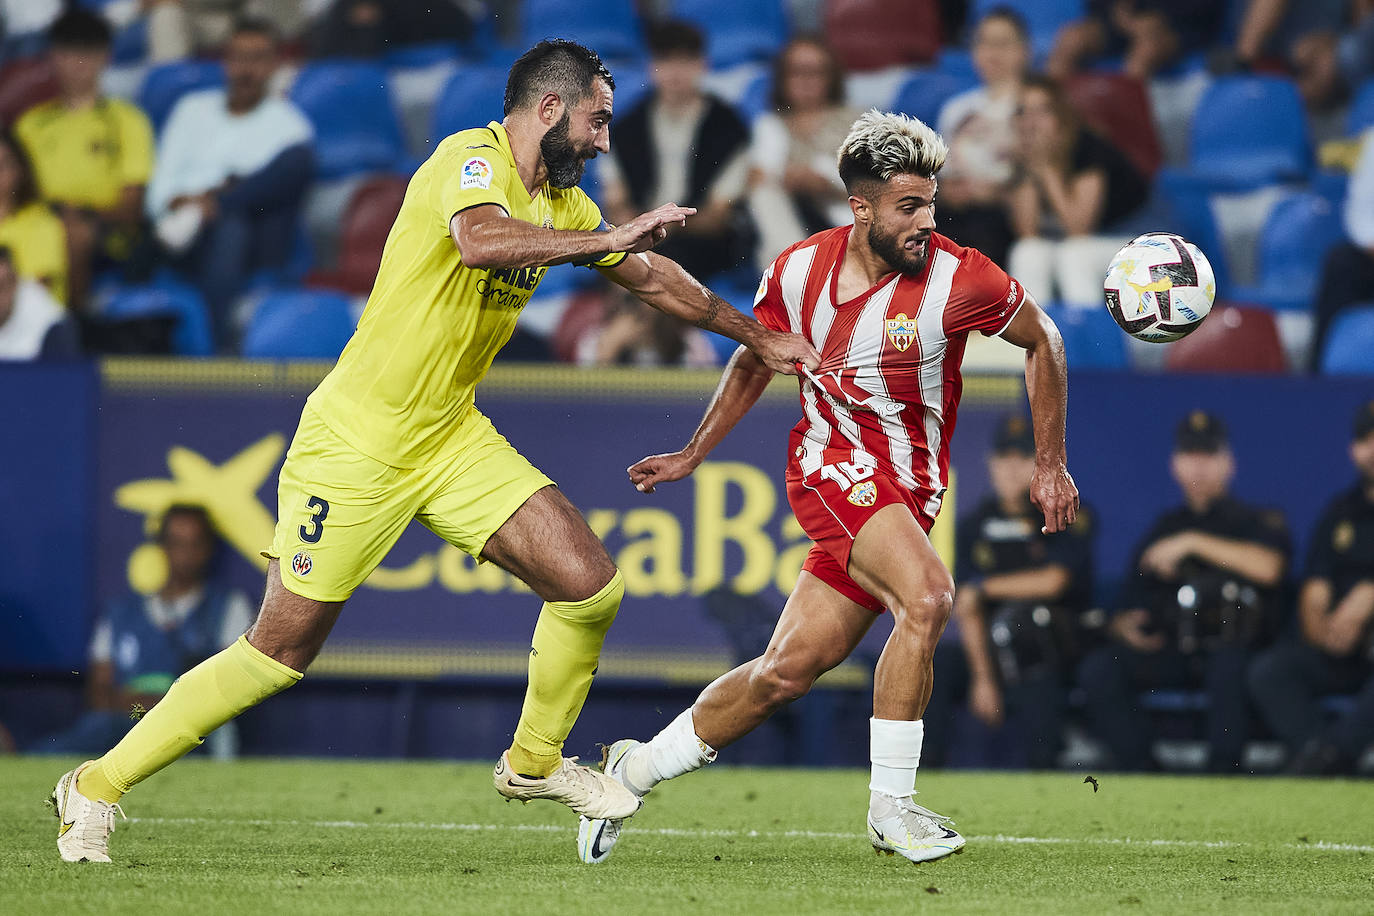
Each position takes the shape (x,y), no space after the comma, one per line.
(476,174)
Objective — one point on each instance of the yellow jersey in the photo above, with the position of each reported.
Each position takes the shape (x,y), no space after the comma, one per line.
(432,326)
(87,157)
(37,241)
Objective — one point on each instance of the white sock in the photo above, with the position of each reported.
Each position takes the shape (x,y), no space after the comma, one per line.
(672,752)
(895,749)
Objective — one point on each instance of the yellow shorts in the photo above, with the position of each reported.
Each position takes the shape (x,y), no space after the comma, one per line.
(339,511)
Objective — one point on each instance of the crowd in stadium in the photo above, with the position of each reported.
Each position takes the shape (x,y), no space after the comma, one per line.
(218,176)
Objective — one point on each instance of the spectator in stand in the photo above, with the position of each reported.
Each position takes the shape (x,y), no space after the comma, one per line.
(371,28)
(1327,45)
(182,28)
(1271,31)
(630,334)
(28,228)
(32,324)
(1348,275)
(1147,35)
(1019,597)
(795,190)
(683,145)
(232,167)
(1335,653)
(978,126)
(141,642)
(1070,187)
(1207,585)
(92,155)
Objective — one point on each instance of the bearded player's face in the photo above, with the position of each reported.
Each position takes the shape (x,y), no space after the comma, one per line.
(902,217)
(579,135)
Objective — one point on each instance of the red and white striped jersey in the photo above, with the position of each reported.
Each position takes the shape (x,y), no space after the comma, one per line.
(887,390)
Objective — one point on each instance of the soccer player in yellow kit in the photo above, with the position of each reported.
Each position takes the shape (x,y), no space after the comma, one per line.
(392,434)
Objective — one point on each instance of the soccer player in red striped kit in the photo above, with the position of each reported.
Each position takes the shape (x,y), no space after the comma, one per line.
(889,304)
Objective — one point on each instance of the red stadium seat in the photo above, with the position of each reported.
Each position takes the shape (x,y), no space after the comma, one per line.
(583,314)
(23,84)
(1118,107)
(874,34)
(1234,338)
(366,223)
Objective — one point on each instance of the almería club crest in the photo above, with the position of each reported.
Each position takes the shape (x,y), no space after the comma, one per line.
(901,330)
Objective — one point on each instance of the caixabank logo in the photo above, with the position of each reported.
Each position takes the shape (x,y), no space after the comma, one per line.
(737,530)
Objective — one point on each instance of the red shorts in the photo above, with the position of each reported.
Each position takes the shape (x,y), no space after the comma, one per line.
(832,515)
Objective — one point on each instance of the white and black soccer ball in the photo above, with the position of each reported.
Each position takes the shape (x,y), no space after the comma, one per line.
(1159,287)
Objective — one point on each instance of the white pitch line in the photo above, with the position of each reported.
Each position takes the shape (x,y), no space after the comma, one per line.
(1319,846)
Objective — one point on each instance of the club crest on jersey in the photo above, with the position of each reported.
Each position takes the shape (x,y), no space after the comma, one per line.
(901,331)
(301,564)
(476,173)
(864,494)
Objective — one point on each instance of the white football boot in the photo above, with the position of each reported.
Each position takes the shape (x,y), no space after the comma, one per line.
(596,837)
(85,824)
(589,792)
(899,825)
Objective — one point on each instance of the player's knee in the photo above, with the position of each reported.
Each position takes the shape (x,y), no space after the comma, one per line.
(778,682)
(926,609)
(600,608)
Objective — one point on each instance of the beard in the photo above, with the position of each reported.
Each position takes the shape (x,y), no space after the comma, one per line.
(563,160)
(892,249)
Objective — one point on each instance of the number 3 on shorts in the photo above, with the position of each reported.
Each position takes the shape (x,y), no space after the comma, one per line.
(312,534)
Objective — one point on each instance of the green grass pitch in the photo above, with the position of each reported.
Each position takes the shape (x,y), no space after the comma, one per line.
(302,837)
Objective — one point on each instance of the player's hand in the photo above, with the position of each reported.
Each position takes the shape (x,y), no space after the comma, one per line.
(985,701)
(781,351)
(648,229)
(656,469)
(1054,493)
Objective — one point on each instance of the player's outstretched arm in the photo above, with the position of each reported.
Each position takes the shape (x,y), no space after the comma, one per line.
(1047,386)
(740,386)
(663,284)
(487,238)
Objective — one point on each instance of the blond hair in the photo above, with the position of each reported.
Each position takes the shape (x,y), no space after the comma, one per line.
(883,144)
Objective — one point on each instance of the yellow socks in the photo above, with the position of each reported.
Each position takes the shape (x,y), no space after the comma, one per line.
(200,701)
(563,657)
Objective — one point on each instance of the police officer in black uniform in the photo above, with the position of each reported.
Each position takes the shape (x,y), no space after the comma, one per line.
(1018,597)
(1206,588)
(1335,653)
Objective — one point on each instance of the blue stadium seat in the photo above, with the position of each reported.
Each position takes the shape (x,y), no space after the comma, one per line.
(925,92)
(1299,231)
(356,125)
(470,98)
(299,324)
(1361,115)
(165,84)
(1092,340)
(1349,346)
(1181,203)
(1249,131)
(1043,17)
(130,43)
(413,57)
(611,28)
(756,98)
(956,62)
(632,84)
(737,31)
(171,297)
